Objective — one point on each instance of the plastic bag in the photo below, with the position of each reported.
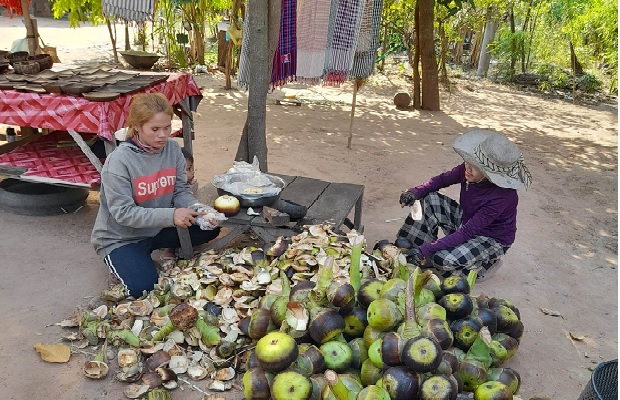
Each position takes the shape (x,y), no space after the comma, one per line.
(206,221)
(242,166)
(416,211)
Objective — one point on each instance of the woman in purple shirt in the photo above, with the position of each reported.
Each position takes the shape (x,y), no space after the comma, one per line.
(480,229)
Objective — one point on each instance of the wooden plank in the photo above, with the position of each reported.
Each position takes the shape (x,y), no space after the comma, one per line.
(304,191)
(225,240)
(335,203)
(187,250)
(269,235)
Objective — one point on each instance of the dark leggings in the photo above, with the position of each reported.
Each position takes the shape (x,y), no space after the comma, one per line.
(135,268)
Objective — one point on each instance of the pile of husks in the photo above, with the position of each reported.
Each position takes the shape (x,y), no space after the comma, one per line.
(310,317)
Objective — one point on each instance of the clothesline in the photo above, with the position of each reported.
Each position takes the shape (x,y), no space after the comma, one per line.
(321,41)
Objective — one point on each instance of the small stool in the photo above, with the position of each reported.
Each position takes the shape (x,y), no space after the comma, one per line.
(187,250)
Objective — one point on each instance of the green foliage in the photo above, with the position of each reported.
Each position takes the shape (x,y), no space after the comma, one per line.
(79,11)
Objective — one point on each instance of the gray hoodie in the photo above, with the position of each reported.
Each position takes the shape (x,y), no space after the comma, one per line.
(138,194)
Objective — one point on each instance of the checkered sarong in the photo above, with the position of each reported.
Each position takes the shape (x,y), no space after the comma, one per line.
(344,23)
(440,211)
(366,51)
(285,57)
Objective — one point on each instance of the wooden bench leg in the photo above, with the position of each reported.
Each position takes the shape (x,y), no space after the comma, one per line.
(187,250)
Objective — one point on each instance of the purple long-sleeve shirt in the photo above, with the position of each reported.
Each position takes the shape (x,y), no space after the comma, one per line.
(488,210)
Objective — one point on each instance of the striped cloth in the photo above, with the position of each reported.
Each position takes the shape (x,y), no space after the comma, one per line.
(344,26)
(243,75)
(312,25)
(285,57)
(129,10)
(366,52)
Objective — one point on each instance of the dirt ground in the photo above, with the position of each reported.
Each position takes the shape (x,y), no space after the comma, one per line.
(564,258)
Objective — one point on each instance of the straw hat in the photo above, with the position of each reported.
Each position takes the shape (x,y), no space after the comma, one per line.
(495,156)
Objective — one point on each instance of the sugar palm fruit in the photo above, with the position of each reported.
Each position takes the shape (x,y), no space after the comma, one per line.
(374,353)
(465,331)
(318,386)
(371,334)
(325,325)
(401,383)
(434,285)
(276,351)
(301,291)
(360,353)
(455,284)
(506,318)
(340,293)
(430,311)
(488,319)
(291,385)
(369,374)
(260,323)
(256,385)
(449,363)
(391,348)
(392,289)
(457,305)
(503,347)
(355,322)
(383,315)
(373,392)
(278,310)
(516,331)
(369,291)
(337,355)
(493,390)
(315,356)
(438,387)
(421,354)
(507,376)
(472,373)
(439,330)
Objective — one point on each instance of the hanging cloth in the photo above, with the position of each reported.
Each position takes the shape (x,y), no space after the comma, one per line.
(344,23)
(285,57)
(129,10)
(243,75)
(312,25)
(366,52)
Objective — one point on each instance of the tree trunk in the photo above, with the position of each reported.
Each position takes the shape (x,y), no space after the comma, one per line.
(263,26)
(428,57)
(31,33)
(524,29)
(385,49)
(416,59)
(112,38)
(227,64)
(485,54)
(127,44)
(513,44)
(444,52)
(474,56)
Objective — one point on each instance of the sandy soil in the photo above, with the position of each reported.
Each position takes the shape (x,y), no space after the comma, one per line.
(564,258)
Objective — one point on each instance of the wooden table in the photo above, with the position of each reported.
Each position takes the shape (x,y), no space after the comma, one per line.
(327,202)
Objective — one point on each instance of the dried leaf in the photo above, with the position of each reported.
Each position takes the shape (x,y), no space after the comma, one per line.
(551,313)
(68,323)
(56,353)
(574,336)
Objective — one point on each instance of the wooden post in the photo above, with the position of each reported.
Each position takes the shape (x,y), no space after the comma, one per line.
(31,33)
(355,87)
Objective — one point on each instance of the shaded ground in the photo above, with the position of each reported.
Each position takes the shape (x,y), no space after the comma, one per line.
(564,258)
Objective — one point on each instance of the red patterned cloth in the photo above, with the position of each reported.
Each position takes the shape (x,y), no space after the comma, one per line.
(46,162)
(70,113)
(12,7)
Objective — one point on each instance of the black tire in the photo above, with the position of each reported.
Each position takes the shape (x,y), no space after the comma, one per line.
(28,198)
(294,210)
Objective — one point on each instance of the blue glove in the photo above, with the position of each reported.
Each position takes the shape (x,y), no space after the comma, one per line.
(406,199)
(414,256)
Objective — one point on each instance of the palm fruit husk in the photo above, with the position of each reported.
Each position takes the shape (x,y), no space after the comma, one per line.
(260,323)
(360,353)
(369,374)
(371,335)
(383,314)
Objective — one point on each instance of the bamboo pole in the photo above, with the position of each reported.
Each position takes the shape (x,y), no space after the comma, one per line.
(31,35)
(353,102)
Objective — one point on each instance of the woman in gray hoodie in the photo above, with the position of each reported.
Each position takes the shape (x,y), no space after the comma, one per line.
(144,196)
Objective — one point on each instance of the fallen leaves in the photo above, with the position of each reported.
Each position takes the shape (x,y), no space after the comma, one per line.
(56,353)
(551,313)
